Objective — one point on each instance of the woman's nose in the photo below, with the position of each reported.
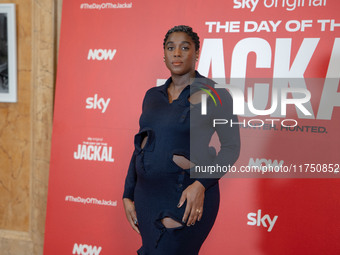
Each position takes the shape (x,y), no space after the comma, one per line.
(177,52)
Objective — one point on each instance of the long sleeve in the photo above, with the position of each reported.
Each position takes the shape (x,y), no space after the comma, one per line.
(229,136)
(131,178)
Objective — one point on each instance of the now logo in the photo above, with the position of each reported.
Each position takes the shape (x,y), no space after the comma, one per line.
(85,249)
(257,220)
(100,54)
(265,162)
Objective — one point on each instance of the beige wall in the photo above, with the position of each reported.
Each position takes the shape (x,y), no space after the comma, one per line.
(25,129)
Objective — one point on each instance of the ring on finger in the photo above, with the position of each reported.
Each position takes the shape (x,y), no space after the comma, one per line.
(198,211)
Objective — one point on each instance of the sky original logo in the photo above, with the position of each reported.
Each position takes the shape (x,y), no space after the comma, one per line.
(250,4)
(85,249)
(97,103)
(257,220)
(100,54)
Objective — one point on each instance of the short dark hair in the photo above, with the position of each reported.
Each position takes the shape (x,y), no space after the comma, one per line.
(188,31)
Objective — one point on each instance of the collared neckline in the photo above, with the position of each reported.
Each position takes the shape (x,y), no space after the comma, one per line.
(195,85)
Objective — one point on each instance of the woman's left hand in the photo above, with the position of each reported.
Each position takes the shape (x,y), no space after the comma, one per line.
(194,195)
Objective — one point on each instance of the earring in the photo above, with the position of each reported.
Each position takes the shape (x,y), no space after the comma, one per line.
(164,59)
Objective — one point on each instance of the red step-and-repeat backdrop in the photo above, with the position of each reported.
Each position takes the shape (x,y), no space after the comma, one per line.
(111,53)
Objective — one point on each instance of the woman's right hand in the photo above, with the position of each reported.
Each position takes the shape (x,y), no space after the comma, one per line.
(130,212)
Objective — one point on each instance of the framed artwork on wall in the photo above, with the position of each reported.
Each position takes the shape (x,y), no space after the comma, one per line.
(8,54)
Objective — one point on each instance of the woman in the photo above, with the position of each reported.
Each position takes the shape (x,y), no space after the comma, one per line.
(173,212)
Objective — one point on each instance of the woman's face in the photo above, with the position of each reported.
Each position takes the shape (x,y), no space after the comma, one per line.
(180,54)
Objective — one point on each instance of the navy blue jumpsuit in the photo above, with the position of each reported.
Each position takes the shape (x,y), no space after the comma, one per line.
(155,182)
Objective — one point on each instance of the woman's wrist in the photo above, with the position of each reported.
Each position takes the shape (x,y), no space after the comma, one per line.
(199,185)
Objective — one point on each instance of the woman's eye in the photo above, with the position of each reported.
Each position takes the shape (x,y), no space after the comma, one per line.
(170,48)
(185,48)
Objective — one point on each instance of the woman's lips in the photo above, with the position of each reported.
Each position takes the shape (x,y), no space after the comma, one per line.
(177,63)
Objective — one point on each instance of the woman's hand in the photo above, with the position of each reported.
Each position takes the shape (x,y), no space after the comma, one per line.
(130,212)
(194,195)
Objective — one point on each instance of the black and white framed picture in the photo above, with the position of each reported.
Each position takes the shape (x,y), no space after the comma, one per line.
(8,56)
